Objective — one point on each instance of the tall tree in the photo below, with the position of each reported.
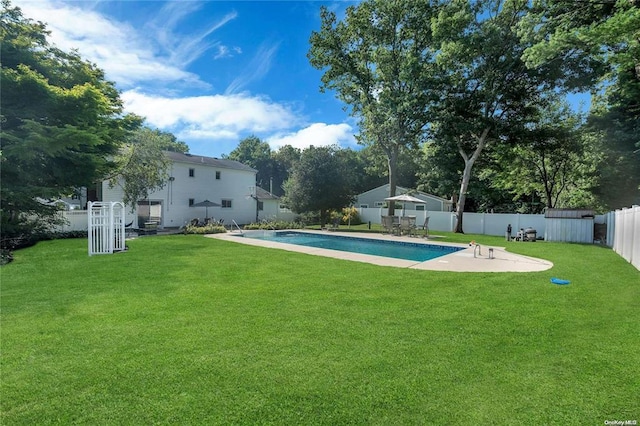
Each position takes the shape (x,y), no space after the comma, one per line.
(550,160)
(585,40)
(377,60)
(440,169)
(614,135)
(141,166)
(320,182)
(255,153)
(486,91)
(167,141)
(285,158)
(595,46)
(375,171)
(61,123)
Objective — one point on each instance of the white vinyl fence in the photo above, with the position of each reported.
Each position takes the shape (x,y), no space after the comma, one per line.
(623,226)
(626,234)
(76,220)
(473,223)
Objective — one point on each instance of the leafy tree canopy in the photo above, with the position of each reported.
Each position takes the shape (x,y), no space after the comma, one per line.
(377,59)
(255,153)
(141,166)
(550,161)
(585,40)
(487,93)
(61,120)
(319,182)
(596,46)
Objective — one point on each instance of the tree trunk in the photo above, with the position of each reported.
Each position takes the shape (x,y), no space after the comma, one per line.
(464,185)
(466,175)
(392,161)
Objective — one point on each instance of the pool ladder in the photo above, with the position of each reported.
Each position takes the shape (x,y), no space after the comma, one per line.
(477,246)
(236,225)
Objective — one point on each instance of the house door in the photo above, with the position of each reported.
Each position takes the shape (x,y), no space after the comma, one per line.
(149,211)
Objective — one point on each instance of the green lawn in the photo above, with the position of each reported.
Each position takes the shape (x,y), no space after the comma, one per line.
(191,330)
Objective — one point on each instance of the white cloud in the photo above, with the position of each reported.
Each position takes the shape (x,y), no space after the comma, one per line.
(213,117)
(184,49)
(223,52)
(317,134)
(258,68)
(128,56)
(149,60)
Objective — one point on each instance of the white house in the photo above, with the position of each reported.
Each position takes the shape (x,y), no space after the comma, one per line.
(374,198)
(193,179)
(270,207)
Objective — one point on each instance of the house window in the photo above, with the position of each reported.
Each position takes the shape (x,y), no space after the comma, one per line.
(191,202)
(284,209)
(420,207)
(217,175)
(378,204)
(364,206)
(192,172)
(260,206)
(226,204)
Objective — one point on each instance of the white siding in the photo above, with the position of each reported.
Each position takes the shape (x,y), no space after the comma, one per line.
(272,211)
(233,185)
(375,197)
(175,211)
(116,193)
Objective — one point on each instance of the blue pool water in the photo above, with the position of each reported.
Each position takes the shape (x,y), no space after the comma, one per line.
(394,249)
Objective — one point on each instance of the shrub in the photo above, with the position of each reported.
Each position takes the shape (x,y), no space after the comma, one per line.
(309,218)
(272,224)
(5,257)
(206,229)
(351,216)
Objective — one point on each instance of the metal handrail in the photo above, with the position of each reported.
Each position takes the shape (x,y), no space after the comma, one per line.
(237,226)
(269,224)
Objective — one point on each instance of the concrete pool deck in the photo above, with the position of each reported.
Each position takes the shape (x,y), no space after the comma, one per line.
(460,261)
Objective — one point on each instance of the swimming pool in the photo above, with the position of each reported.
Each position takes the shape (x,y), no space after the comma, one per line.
(395,249)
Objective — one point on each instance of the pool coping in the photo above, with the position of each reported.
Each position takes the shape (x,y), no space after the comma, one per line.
(459,261)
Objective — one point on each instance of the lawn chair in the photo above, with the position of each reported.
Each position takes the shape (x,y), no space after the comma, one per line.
(387,224)
(408,225)
(425,227)
(335,224)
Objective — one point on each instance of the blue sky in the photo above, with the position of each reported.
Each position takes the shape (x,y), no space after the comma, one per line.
(210,72)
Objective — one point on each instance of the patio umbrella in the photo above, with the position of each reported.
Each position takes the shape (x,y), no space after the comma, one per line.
(206,204)
(405,198)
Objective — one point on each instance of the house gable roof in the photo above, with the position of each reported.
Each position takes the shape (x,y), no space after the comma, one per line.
(208,161)
(263,194)
(403,190)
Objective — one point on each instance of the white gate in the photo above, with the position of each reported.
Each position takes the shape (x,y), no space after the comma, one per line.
(106,227)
